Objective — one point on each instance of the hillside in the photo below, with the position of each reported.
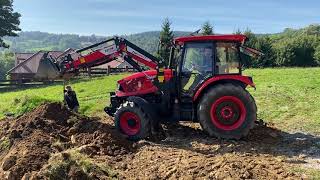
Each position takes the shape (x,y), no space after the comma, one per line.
(34,41)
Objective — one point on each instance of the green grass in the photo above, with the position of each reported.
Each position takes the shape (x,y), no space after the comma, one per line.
(313,174)
(60,165)
(4,144)
(287,97)
(93,95)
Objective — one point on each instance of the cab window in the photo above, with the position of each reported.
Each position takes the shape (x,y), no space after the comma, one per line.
(197,65)
(228,59)
(198,58)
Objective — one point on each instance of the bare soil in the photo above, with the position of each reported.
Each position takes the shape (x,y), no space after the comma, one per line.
(50,129)
(188,153)
(29,143)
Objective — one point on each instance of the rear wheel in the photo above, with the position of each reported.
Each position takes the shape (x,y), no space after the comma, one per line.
(227,111)
(132,121)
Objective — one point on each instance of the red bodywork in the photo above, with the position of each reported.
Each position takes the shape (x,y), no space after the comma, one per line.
(234,38)
(91,58)
(243,79)
(141,83)
(124,49)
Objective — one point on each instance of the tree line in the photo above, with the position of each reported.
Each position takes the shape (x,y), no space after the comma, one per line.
(291,48)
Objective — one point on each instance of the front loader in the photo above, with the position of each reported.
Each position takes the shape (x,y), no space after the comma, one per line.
(203,83)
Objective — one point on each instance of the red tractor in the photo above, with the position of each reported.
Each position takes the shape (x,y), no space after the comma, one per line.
(203,83)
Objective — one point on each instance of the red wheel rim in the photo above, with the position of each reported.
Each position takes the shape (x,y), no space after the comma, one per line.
(130,123)
(228,113)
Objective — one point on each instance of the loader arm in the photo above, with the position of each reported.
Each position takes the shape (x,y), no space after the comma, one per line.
(108,51)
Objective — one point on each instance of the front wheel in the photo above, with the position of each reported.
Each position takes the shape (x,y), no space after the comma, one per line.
(132,121)
(227,111)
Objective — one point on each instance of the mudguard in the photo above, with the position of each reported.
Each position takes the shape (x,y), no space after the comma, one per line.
(246,80)
(145,105)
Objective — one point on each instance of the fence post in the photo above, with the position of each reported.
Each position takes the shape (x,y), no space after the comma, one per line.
(108,70)
(89,72)
(20,82)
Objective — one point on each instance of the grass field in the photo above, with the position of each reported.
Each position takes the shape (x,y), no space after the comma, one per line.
(92,94)
(287,97)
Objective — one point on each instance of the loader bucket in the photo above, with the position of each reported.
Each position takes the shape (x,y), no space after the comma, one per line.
(47,69)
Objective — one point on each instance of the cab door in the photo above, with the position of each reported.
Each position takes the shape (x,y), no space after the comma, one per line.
(195,67)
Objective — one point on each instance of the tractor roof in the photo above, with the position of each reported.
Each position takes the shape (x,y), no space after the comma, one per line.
(233,37)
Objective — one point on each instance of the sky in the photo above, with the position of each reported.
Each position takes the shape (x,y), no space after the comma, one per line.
(119,17)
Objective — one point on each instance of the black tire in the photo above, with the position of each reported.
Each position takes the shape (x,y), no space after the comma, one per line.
(227,111)
(255,110)
(127,113)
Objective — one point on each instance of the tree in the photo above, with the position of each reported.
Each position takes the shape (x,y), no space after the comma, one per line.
(264,45)
(304,50)
(207,28)
(313,29)
(9,21)
(317,55)
(247,60)
(300,50)
(166,39)
(238,31)
(251,36)
(6,63)
(285,53)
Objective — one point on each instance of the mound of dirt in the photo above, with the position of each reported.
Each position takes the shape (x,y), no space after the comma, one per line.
(28,141)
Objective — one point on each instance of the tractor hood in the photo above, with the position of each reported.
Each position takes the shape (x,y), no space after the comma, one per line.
(140,83)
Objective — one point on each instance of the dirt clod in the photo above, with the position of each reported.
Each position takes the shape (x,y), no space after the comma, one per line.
(8,162)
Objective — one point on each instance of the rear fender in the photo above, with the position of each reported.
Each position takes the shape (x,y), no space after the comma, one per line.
(244,81)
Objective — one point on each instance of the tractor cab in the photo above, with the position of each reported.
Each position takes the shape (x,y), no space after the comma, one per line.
(198,58)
